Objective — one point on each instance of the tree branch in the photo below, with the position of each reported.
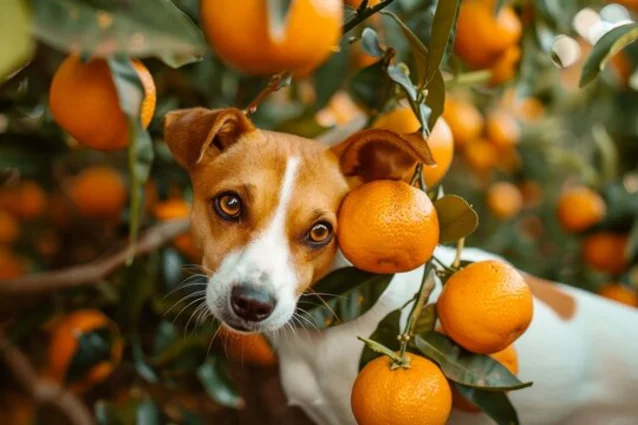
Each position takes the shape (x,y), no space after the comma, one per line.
(364,13)
(43,391)
(88,274)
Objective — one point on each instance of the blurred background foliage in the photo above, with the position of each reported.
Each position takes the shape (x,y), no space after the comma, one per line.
(137,347)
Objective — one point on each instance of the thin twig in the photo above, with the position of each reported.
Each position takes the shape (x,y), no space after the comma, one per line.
(43,391)
(363,13)
(276,82)
(459,250)
(425,290)
(92,273)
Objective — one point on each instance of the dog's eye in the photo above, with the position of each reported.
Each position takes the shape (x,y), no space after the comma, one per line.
(228,206)
(320,233)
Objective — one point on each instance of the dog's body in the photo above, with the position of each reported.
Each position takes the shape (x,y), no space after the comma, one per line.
(264,216)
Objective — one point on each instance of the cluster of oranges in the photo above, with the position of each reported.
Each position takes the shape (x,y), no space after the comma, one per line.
(579,209)
(484,308)
(485,40)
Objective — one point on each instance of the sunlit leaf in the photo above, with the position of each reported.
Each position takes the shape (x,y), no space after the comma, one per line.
(463,367)
(370,43)
(426,320)
(608,46)
(18,45)
(418,49)
(495,404)
(457,219)
(436,98)
(442,27)
(212,375)
(386,333)
(141,29)
(341,296)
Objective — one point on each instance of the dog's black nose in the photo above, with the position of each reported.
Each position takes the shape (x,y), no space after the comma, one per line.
(251,303)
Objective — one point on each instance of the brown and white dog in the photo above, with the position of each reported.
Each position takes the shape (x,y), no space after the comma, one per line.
(258,195)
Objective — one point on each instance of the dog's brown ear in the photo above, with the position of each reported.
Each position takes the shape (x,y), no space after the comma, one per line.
(377,154)
(195,133)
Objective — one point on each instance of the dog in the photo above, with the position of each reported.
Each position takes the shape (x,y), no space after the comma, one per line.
(258,196)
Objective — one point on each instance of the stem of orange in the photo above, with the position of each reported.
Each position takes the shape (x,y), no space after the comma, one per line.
(362,13)
(459,249)
(427,286)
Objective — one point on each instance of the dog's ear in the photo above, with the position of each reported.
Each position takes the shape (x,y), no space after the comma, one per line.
(195,133)
(377,154)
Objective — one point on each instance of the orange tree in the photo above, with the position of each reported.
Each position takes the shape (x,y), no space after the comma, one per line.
(98,276)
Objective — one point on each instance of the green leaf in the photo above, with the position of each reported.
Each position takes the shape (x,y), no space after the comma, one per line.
(495,404)
(105,414)
(326,85)
(135,28)
(213,377)
(442,27)
(277,17)
(386,333)
(139,360)
(140,152)
(463,367)
(371,86)
(436,98)
(418,49)
(499,5)
(94,347)
(147,412)
(610,44)
(632,245)
(341,296)
(426,320)
(135,290)
(18,46)
(457,219)
(370,43)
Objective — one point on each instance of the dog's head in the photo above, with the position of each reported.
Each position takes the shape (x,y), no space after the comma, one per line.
(265,206)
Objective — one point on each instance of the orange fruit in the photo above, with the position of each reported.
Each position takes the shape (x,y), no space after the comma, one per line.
(419,394)
(340,110)
(240,34)
(619,293)
(9,228)
(84,102)
(507,358)
(481,155)
(505,67)
(65,343)
(98,193)
(502,129)
(504,200)
(580,208)
(26,201)
(174,209)
(387,227)
(11,266)
(481,35)
(441,141)
(527,109)
(605,252)
(485,307)
(250,349)
(466,122)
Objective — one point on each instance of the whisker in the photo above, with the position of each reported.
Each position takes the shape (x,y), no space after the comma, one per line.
(187,306)
(184,298)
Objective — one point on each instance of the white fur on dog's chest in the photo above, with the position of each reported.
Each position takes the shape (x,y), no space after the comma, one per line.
(578,380)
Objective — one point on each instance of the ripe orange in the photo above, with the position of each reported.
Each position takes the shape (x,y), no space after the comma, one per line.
(247,348)
(485,307)
(419,394)
(619,293)
(502,129)
(340,110)
(65,344)
(580,208)
(11,266)
(605,252)
(98,193)
(387,227)
(441,141)
(504,200)
(507,358)
(528,109)
(465,121)
(481,155)
(505,67)
(9,228)
(482,36)
(26,201)
(84,102)
(241,35)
